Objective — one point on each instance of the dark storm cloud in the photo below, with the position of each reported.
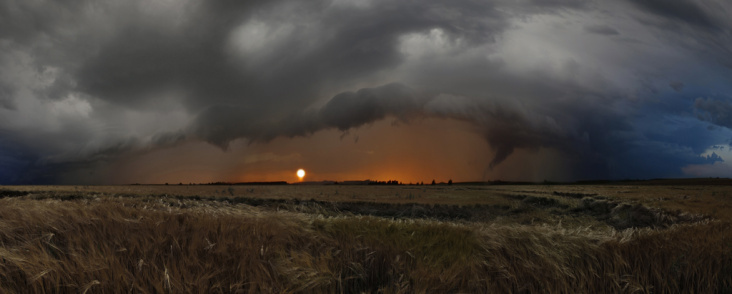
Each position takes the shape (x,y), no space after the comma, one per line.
(601,137)
(256,99)
(348,110)
(22,21)
(143,59)
(82,82)
(699,26)
(689,11)
(677,86)
(6,95)
(559,3)
(13,163)
(20,163)
(602,30)
(717,112)
(505,126)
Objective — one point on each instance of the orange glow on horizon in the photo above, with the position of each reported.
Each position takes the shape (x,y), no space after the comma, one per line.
(425,150)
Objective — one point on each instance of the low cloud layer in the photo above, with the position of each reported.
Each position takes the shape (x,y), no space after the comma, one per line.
(624,89)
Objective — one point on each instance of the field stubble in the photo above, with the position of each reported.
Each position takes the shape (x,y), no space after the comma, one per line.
(337,239)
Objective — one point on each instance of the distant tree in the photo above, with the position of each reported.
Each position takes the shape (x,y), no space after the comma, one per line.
(449,182)
(433,182)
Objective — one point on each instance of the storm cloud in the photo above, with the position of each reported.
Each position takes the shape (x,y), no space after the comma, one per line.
(715,111)
(688,11)
(84,83)
(601,30)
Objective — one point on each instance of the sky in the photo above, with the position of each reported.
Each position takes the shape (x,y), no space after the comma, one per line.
(154,91)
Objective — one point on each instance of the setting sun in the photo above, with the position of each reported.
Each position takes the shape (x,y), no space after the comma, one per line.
(301,173)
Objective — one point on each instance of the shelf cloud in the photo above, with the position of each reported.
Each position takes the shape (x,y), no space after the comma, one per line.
(622,89)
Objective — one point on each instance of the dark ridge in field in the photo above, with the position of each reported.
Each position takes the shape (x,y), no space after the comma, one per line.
(616,214)
(574,195)
(12,193)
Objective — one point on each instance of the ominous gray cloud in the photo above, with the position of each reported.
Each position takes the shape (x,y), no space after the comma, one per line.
(601,30)
(714,111)
(677,86)
(689,11)
(347,110)
(82,82)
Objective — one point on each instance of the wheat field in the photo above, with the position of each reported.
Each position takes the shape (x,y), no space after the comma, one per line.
(364,239)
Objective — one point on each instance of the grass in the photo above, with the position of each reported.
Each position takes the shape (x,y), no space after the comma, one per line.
(98,242)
